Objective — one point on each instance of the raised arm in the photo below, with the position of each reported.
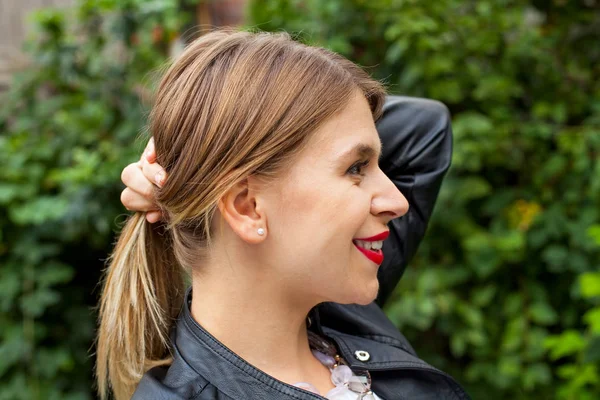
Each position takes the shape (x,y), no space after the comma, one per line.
(417,150)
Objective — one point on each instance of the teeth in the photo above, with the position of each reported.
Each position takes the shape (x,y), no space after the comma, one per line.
(363,244)
(370,245)
(377,245)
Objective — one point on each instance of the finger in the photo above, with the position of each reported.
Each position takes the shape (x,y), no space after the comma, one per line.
(148,154)
(134,201)
(154,173)
(133,177)
(143,156)
(150,151)
(153,216)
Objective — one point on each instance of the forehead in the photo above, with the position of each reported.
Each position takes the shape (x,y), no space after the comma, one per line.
(352,130)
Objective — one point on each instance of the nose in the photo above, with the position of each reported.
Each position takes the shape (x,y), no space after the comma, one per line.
(388,202)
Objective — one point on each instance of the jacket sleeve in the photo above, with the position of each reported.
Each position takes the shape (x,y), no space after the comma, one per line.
(417,149)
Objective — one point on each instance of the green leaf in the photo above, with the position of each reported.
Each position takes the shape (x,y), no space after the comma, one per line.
(592,318)
(590,284)
(10,287)
(557,257)
(567,343)
(34,304)
(535,375)
(12,348)
(591,353)
(513,334)
(458,345)
(44,209)
(510,366)
(54,273)
(482,296)
(542,313)
(594,232)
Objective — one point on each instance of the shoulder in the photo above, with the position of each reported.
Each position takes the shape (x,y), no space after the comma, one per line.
(176,382)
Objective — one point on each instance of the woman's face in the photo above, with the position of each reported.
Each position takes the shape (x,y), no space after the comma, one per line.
(333,194)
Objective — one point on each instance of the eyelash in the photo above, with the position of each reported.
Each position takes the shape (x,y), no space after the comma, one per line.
(360,166)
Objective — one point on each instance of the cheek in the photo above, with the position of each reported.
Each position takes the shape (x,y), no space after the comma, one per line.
(305,216)
(323,211)
(311,227)
(315,225)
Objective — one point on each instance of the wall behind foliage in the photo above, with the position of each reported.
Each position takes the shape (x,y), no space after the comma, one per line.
(505,291)
(13,27)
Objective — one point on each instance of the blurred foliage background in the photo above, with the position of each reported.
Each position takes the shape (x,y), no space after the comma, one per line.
(504,293)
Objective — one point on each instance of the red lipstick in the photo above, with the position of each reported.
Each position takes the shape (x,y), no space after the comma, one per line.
(374,255)
(379,236)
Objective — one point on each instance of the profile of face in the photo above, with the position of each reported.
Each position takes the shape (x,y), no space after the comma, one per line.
(255,132)
(332,194)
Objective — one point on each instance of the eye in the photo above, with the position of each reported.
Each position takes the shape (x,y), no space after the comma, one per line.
(357,168)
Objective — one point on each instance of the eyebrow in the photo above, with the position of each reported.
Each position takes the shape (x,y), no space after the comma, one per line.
(364,151)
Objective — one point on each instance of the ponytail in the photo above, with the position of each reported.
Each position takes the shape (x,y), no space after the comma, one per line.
(142,294)
(211,129)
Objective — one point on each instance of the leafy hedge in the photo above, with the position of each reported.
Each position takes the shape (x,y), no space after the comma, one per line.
(67,128)
(504,292)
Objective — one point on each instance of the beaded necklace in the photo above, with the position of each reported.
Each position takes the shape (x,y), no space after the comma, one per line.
(345,380)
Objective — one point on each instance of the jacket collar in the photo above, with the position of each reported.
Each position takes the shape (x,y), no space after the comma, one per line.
(238,379)
(224,369)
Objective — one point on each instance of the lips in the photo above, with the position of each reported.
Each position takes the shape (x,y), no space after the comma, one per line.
(380,236)
(375,255)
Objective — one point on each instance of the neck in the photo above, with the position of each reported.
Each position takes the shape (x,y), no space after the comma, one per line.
(254,318)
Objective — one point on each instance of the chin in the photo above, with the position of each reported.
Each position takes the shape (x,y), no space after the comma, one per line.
(370,293)
(362,296)
(365,300)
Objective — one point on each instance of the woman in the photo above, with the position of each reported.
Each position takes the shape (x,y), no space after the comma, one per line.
(277,209)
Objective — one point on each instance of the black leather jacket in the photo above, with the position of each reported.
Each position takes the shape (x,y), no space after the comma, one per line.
(417,147)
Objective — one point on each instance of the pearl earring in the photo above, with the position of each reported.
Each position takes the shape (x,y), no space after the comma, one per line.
(261,231)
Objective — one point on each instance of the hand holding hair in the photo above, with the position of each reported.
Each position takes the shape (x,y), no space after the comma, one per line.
(141,179)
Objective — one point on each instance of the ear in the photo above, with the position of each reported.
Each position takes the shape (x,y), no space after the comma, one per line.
(242,210)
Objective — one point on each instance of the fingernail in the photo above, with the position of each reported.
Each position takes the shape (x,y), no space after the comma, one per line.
(159,178)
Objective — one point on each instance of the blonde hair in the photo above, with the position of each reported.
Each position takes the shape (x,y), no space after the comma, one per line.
(232,105)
